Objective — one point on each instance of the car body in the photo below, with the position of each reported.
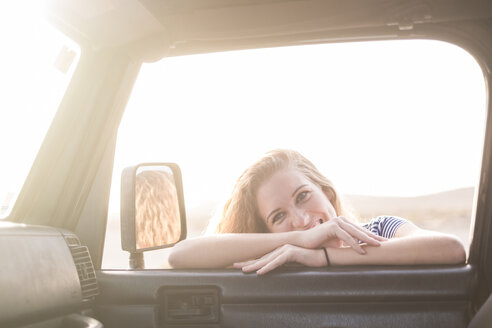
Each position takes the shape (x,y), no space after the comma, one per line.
(65,196)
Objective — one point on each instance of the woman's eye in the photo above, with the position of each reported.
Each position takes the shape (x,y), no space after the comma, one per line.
(302,196)
(278,217)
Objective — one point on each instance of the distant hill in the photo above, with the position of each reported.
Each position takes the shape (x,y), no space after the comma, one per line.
(459,200)
(448,212)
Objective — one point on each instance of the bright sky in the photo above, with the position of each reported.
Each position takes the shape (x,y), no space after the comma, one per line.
(400,118)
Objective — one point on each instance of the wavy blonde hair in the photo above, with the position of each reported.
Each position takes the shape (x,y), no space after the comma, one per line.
(156,209)
(240,214)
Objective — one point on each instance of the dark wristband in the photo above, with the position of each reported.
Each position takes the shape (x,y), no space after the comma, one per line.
(326,255)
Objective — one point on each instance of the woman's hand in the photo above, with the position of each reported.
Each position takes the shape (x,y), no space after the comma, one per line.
(282,255)
(336,231)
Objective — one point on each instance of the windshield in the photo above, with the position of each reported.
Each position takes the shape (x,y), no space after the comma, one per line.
(396,125)
(37,63)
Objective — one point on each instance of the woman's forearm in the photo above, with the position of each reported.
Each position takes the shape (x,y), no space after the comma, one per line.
(223,250)
(409,250)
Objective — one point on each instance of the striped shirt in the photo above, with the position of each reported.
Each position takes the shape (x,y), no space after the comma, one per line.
(384,226)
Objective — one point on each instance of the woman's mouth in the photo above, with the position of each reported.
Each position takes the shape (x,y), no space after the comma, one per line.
(316,222)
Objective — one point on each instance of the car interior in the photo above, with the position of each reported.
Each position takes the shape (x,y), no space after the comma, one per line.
(52,241)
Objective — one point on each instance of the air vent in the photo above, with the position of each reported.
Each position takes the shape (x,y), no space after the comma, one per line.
(72,241)
(85,269)
(86,272)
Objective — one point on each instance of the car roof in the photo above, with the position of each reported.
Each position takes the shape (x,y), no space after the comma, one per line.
(156,28)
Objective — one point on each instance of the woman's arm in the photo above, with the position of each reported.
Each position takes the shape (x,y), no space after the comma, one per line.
(410,246)
(223,250)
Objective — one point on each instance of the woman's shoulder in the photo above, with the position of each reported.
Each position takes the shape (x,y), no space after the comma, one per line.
(384,225)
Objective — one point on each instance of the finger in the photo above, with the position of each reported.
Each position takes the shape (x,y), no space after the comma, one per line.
(361,234)
(380,238)
(275,263)
(358,230)
(373,235)
(257,265)
(239,265)
(350,241)
(284,250)
(343,220)
(354,230)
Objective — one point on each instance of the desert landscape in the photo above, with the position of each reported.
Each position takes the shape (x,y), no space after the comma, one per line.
(448,212)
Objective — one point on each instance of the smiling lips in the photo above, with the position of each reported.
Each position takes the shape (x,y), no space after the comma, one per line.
(316,222)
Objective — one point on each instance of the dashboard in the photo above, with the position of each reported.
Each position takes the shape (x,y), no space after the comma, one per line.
(47,277)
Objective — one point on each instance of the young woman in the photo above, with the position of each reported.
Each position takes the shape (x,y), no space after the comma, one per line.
(282,209)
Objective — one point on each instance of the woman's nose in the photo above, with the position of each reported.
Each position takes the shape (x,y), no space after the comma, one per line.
(301,220)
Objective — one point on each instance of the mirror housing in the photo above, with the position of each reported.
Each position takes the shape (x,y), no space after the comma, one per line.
(152,207)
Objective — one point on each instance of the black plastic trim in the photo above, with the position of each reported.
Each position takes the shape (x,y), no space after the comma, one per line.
(343,284)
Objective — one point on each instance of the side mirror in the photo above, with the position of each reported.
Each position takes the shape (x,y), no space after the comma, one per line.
(152,209)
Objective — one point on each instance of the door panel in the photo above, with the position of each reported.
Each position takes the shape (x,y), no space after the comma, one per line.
(375,315)
(289,297)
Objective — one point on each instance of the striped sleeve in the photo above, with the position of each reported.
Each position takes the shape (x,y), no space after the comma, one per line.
(384,226)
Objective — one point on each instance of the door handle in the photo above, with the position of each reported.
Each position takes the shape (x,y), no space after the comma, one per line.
(189,305)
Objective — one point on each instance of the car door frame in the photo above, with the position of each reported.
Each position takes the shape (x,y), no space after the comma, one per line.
(475,275)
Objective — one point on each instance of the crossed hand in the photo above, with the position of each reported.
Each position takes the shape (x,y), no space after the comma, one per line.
(337,232)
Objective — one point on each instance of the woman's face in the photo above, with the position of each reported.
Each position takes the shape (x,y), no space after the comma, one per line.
(289,201)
